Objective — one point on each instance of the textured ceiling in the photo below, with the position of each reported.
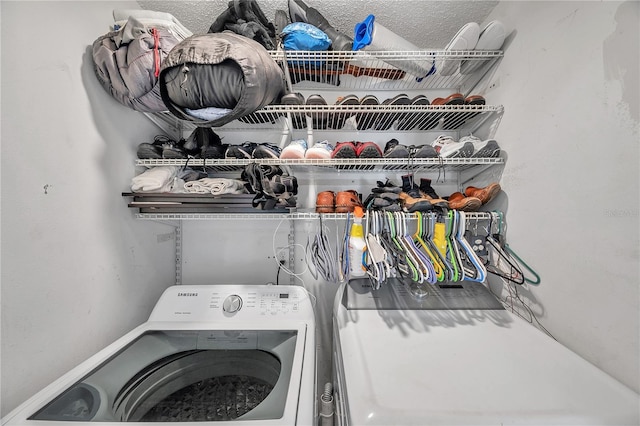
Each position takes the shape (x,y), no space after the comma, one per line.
(427,24)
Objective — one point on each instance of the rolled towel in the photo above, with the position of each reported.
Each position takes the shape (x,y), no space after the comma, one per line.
(155,179)
(215,186)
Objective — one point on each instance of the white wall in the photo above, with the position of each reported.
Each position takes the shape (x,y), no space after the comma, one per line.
(569,84)
(78,270)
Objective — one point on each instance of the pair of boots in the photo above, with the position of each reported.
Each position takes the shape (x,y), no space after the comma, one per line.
(419,198)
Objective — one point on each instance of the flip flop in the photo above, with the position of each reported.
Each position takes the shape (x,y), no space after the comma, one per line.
(491,38)
(465,39)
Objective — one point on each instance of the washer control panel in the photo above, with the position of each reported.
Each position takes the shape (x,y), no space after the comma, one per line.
(216,302)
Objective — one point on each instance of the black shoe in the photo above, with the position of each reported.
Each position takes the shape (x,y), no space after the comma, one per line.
(266,150)
(337,119)
(299,121)
(386,119)
(319,118)
(242,151)
(394,149)
(410,120)
(214,151)
(365,120)
(199,139)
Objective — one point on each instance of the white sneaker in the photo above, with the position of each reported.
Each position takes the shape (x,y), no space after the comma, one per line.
(295,150)
(465,39)
(447,147)
(491,38)
(320,151)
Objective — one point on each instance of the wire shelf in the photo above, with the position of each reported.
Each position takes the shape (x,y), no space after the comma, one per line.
(387,70)
(340,164)
(275,216)
(373,118)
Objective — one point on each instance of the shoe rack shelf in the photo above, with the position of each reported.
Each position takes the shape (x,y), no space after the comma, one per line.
(295,215)
(387,70)
(340,164)
(369,72)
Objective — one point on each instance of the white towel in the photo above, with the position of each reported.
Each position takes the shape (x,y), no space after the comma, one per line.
(155,179)
(215,186)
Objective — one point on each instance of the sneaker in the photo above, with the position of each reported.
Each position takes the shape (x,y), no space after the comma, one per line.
(320,150)
(295,150)
(486,149)
(365,120)
(299,121)
(266,150)
(485,194)
(344,150)
(319,118)
(215,151)
(241,151)
(423,151)
(367,150)
(410,120)
(386,119)
(491,37)
(465,39)
(153,150)
(458,201)
(446,147)
(337,119)
(174,149)
(394,149)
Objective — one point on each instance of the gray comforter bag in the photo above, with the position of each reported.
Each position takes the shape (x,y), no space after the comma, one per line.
(126,63)
(219,70)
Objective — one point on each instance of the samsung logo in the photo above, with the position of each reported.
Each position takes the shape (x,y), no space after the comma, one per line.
(187,294)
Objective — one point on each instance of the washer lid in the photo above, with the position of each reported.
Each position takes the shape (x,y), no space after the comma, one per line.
(159,375)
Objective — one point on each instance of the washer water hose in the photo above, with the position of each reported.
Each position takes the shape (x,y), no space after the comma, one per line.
(326,406)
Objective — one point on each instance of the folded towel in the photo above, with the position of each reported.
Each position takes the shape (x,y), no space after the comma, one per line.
(155,179)
(215,186)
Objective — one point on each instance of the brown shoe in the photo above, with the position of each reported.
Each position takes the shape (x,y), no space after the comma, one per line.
(458,201)
(485,194)
(325,202)
(346,201)
(411,204)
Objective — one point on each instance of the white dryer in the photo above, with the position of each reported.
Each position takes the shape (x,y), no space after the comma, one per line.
(457,357)
(231,354)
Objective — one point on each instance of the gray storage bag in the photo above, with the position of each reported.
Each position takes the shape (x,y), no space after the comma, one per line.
(220,71)
(127,63)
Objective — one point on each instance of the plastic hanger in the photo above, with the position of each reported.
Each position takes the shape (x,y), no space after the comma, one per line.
(479,273)
(438,268)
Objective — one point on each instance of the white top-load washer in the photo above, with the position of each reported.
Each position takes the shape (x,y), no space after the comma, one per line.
(231,354)
(457,357)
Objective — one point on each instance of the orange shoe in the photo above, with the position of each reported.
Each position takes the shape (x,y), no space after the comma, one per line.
(346,201)
(458,201)
(325,202)
(485,194)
